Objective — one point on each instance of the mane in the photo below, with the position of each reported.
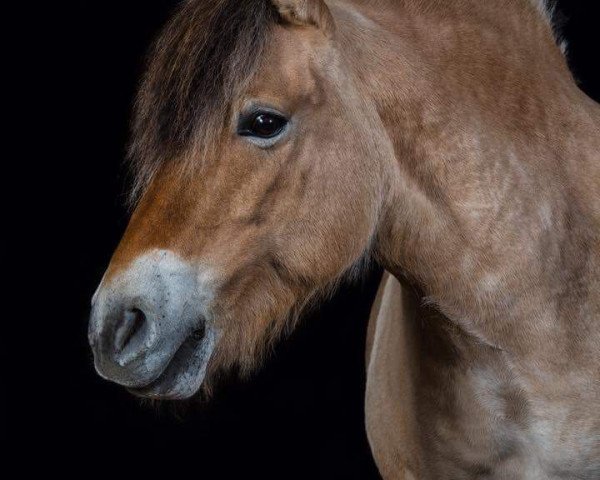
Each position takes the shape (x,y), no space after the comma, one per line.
(201,61)
(548,9)
(545,7)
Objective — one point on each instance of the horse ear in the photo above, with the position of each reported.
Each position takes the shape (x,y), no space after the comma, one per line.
(313,13)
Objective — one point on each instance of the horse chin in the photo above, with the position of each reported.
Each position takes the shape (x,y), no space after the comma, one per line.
(184,374)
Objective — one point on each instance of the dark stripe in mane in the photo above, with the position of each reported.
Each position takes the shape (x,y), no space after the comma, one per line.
(201,61)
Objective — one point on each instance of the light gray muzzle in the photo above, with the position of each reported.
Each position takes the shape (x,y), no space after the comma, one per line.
(148,328)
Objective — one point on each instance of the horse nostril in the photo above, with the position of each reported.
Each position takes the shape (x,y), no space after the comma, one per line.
(198,335)
(132,322)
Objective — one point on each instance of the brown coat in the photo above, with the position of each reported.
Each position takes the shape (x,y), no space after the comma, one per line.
(446,140)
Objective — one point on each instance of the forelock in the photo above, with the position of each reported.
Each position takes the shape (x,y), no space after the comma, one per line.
(199,65)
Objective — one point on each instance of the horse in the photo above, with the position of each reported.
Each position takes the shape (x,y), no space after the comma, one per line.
(279,146)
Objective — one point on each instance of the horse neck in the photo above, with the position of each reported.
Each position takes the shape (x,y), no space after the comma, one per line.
(490,211)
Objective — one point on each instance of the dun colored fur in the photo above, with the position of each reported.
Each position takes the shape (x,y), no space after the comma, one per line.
(446,140)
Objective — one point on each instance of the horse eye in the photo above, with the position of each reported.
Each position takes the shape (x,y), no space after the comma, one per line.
(262,125)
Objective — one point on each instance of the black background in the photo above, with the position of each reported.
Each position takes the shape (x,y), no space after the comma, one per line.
(301,416)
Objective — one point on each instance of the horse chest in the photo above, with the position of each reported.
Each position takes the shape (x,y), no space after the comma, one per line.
(482,424)
(434,414)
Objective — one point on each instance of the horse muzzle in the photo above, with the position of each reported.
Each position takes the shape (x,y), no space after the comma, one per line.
(150,326)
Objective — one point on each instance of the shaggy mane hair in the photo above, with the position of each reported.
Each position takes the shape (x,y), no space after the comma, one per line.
(549,10)
(202,60)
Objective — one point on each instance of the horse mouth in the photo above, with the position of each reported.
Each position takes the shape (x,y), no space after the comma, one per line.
(183,375)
